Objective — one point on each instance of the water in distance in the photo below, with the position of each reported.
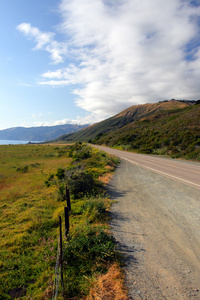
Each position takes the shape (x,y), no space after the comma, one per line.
(16,142)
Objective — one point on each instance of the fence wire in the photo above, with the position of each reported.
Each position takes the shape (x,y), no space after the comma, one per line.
(57,274)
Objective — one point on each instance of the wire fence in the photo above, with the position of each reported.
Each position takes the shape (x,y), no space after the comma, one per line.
(58,285)
(57,274)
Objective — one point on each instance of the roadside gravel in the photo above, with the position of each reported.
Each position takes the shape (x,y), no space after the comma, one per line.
(156,222)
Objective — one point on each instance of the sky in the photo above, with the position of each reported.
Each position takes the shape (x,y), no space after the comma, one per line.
(81,61)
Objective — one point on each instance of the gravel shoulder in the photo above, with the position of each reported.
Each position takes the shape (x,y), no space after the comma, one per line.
(156,222)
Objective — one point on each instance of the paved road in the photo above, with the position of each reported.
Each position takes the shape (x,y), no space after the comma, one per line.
(184,171)
(156,222)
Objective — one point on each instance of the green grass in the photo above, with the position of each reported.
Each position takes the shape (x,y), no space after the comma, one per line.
(88,252)
(30,210)
(27,216)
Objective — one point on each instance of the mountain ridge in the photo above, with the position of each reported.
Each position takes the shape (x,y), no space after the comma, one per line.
(40,133)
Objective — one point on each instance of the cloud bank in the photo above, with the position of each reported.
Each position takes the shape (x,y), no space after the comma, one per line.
(119,53)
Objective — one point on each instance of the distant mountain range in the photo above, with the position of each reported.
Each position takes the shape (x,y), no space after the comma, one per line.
(167,127)
(42,133)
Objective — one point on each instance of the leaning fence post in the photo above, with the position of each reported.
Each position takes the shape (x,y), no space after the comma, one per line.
(68,198)
(66,221)
(61,254)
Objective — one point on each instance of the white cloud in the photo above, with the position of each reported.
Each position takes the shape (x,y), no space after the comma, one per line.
(41,38)
(125,52)
(44,40)
(89,119)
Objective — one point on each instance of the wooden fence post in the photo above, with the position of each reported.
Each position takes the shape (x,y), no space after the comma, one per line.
(66,221)
(68,198)
(61,254)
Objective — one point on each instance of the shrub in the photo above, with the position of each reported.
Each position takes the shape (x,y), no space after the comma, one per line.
(23,169)
(146,150)
(95,209)
(82,154)
(86,249)
(82,183)
(49,180)
(61,192)
(60,173)
(74,148)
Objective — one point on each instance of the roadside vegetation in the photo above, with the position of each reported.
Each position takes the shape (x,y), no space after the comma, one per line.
(33,181)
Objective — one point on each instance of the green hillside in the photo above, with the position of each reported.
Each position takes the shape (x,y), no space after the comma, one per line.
(168,127)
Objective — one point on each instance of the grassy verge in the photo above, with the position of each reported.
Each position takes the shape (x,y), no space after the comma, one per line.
(32,182)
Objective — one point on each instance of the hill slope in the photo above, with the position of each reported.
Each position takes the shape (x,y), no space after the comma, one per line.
(127,116)
(42,133)
(169,127)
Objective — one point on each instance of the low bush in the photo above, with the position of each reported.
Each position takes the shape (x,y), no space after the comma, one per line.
(145,150)
(88,250)
(95,209)
(82,183)
(80,151)
(49,181)
(23,169)
(61,192)
(60,173)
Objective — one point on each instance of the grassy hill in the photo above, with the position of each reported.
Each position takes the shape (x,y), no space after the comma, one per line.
(168,127)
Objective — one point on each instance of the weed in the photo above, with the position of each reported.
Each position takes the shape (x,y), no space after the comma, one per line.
(23,169)
(95,209)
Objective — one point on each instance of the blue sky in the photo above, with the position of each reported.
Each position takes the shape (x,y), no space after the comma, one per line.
(80,61)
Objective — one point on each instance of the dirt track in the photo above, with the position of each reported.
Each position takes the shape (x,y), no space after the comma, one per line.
(156,222)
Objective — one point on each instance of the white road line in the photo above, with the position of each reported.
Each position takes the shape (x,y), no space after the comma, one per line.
(166,174)
(152,169)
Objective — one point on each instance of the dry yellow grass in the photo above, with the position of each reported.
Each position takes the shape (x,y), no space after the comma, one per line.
(106,178)
(109,286)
